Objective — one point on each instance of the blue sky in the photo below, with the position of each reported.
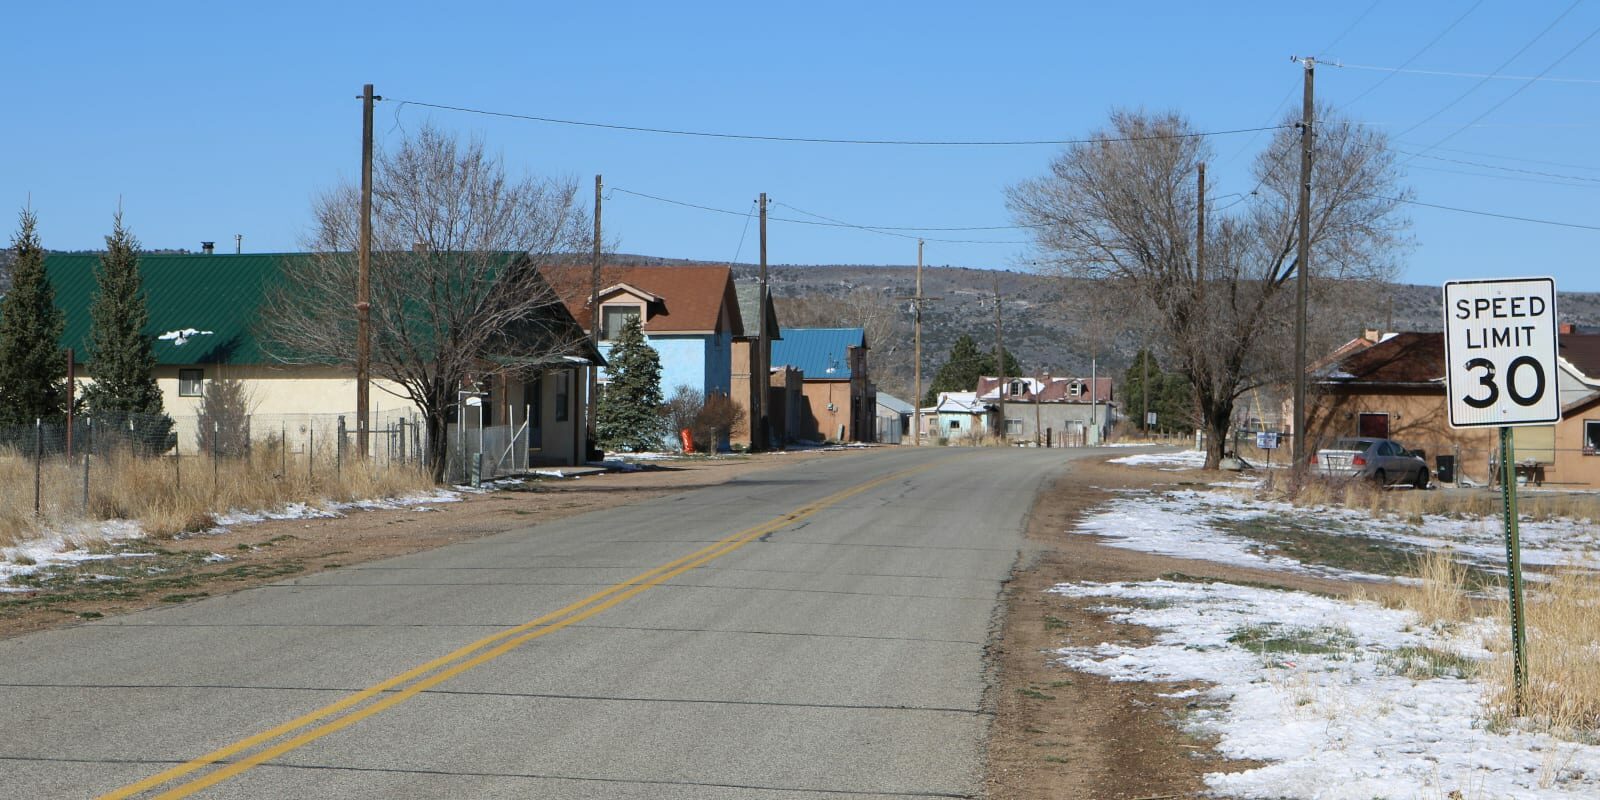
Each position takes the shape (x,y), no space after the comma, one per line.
(213,119)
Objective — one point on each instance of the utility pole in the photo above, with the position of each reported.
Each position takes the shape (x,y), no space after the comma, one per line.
(761,361)
(594,316)
(363,278)
(916,362)
(1000,366)
(1303,259)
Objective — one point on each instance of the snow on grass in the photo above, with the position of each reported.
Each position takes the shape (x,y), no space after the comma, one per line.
(1183,459)
(1342,700)
(88,541)
(1205,525)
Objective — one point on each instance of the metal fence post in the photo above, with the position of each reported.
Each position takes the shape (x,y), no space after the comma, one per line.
(87,450)
(177,468)
(311,451)
(338,452)
(283,451)
(38,462)
(216,433)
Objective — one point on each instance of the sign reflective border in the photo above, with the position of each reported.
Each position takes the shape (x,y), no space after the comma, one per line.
(1500,352)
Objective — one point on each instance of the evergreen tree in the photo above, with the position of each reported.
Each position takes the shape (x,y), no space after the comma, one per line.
(121,357)
(962,368)
(628,416)
(1170,397)
(32,363)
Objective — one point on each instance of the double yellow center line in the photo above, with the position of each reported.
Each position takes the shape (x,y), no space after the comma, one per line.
(333,717)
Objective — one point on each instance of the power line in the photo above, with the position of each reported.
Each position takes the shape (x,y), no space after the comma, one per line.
(1349,28)
(1546,181)
(826,140)
(1448,74)
(832,223)
(1414,56)
(1469,163)
(1521,159)
(1486,78)
(1481,213)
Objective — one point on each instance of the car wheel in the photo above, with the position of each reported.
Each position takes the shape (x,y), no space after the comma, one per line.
(1381,478)
(1422,478)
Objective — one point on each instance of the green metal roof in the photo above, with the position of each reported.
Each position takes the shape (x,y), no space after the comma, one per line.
(217,293)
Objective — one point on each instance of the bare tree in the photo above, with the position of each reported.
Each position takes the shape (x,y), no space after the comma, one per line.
(456,288)
(1124,210)
(884,320)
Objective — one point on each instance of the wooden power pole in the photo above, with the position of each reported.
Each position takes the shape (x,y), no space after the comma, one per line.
(761,360)
(916,357)
(363,279)
(594,316)
(1000,367)
(1303,264)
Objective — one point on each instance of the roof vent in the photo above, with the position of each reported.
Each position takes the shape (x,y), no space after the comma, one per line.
(208,247)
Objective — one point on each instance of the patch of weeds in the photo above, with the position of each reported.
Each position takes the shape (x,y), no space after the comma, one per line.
(1035,694)
(183,598)
(23,560)
(89,615)
(1184,577)
(332,566)
(244,547)
(1054,623)
(1319,544)
(1422,663)
(1059,684)
(1271,638)
(1055,759)
(287,537)
(244,571)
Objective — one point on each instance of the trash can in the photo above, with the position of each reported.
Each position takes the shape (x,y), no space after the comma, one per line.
(1445,469)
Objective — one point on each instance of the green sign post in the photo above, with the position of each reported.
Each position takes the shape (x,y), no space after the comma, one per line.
(1501,369)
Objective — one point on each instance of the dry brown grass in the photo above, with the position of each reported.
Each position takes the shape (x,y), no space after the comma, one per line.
(1441,598)
(1563,652)
(1412,504)
(170,495)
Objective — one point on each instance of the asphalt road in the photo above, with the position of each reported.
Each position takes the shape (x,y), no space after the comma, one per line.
(809,632)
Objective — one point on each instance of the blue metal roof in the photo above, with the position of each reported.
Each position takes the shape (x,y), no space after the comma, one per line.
(821,353)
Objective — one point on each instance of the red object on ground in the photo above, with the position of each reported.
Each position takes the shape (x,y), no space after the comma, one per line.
(688,440)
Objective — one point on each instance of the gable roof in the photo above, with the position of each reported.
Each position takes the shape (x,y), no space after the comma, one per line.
(894,404)
(1582,351)
(688,299)
(1410,358)
(750,311)
(823,354)
(958,403)
(221,293)
(217,293)
(1056,390)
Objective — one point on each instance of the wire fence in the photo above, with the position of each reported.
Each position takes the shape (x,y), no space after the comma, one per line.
(177,470)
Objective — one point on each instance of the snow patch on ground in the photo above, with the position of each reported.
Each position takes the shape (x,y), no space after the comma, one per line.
(1184,459)
(1184,524)
(1333,725)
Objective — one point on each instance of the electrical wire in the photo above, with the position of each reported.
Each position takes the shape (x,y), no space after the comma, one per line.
(1414,56)
(1518,170)
(1482,213)
(826,140)
(1443,73)
(743,233)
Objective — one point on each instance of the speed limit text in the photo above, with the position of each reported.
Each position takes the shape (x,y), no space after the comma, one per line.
(1499,308)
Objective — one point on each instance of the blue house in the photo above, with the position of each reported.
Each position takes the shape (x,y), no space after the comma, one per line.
(689,314)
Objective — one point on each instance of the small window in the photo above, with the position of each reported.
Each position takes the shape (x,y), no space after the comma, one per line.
(1013,426)
(561,397)
(191,382)
(613,318)
(1591,437)
(1076,390)
(1017,389)
(955,424)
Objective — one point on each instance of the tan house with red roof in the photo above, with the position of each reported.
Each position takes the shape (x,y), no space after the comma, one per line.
(1394,388)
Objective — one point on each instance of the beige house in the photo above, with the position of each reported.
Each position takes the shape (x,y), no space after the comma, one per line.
(203,317)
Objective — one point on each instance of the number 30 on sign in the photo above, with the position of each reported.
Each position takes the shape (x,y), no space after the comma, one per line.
(1500,352)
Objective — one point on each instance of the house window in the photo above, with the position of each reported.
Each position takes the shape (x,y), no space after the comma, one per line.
(613,318)
(1591,437)
(561,397)
(1373,425)
(1013,426)
(955,424)
(1016,389)
(1076,390)
(191,382)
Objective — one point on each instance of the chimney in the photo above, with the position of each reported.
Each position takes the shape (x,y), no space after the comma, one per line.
(1566,329)
(1372,334)
(208,247)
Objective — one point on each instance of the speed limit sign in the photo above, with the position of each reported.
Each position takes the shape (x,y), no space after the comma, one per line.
(1500,352)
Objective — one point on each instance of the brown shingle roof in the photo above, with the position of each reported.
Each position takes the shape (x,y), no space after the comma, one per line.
(1582,351)
(693,298)
(1402,358)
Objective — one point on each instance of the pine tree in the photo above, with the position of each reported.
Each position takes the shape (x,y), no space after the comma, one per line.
(1169,393)
(32,363)
(962,368)
(121,357)
(629,415)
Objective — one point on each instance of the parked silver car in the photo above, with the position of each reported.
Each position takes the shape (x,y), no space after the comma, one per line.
(1382,461)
